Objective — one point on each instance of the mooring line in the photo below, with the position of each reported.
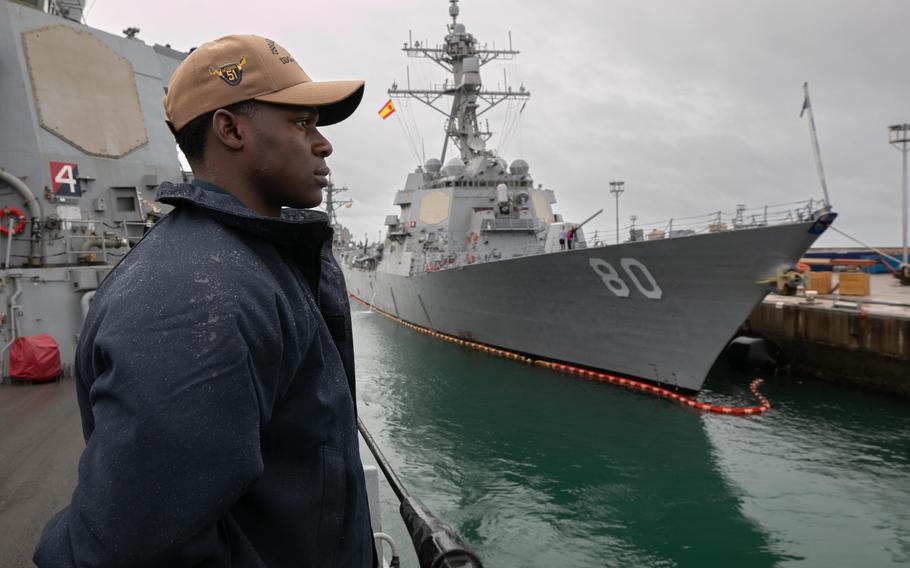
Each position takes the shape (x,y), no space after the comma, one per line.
(764,403)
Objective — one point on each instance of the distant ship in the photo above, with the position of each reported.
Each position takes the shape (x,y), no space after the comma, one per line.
(475,252)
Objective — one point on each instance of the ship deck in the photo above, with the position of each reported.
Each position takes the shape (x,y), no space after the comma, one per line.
(40,444)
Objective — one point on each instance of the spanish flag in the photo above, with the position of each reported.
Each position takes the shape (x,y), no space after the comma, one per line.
(388,109)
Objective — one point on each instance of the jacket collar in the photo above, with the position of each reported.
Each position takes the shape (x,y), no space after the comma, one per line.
(293,228)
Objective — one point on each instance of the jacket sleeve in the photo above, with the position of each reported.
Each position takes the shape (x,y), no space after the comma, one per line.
(176,410)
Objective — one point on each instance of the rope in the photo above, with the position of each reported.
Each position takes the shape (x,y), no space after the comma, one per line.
(763,406)
(861,243)
(407,136)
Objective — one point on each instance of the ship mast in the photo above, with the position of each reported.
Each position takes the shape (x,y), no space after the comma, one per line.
(331,203)
(462,58)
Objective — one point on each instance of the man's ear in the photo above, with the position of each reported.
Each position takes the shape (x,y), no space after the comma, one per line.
(226,129)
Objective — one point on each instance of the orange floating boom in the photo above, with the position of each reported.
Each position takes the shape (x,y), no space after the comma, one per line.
(764,404)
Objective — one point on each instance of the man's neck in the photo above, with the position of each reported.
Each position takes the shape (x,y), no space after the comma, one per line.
(237,186)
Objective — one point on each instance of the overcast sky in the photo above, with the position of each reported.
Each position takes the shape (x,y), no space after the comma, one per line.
(694,104)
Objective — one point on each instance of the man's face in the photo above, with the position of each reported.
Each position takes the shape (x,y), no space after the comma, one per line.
(287,155)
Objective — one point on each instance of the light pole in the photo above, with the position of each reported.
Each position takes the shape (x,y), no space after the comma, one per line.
(616,188)
(899,137)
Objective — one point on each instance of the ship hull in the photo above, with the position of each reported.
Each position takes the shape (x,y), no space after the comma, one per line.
(657,310)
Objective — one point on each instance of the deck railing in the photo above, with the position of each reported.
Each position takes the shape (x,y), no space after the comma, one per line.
(458,252)
(742,217)
(525,225)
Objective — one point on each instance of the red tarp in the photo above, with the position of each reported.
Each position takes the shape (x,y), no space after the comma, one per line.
(35,358)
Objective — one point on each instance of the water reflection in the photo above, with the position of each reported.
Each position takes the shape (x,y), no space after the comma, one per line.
(536,469)
(826,474)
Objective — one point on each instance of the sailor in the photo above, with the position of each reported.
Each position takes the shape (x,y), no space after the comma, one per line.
(215,371)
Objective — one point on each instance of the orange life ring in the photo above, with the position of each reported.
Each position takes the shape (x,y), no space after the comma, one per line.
(4,229)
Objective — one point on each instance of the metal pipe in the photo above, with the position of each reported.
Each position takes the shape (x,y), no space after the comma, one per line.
(85,303)
(12,322)
(904,202)
(381,537)
(34,209)
(96,241)
(13,307)
(9,243)
(899,137)
(102,242)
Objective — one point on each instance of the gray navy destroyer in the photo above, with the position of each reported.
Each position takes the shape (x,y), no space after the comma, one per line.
(83,149)
(474,252)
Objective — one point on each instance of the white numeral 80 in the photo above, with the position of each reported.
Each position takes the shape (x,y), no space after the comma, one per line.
(635,272)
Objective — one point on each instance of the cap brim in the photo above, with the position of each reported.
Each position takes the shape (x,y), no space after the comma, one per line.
(336,100)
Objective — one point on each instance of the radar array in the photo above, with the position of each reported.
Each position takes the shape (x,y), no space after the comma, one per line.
(461,57)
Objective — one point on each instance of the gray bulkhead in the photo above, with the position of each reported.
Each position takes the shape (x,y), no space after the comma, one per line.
(82,129)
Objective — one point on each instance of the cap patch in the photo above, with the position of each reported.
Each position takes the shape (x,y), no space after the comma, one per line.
(232,73)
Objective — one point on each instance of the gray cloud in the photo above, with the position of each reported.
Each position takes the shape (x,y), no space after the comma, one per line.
(694,104)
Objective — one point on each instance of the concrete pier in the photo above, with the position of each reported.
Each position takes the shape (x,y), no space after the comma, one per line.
(863,340)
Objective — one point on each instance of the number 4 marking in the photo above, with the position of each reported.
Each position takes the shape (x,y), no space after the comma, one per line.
(65,177)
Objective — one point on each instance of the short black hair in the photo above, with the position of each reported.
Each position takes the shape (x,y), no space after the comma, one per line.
(192,137)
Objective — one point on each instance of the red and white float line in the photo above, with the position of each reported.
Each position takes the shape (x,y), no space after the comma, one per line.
(764,404)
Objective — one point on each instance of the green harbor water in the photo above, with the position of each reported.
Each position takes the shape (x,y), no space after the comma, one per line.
(535,468)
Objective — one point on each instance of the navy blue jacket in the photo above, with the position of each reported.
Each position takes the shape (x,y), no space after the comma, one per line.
(215,377)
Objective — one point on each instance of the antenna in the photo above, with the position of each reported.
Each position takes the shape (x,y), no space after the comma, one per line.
(332,205)
(807,106)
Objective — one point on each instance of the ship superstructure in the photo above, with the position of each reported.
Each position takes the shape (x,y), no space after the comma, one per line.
(84,146)
(476,251)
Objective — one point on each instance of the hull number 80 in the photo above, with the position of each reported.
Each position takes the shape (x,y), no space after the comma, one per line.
(634,274)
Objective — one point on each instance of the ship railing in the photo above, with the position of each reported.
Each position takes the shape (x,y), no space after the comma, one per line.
(435,261)
(468,241)
(742,217)
(523,225)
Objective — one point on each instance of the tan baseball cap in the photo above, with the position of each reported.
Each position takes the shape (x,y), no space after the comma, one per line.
(242,67)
